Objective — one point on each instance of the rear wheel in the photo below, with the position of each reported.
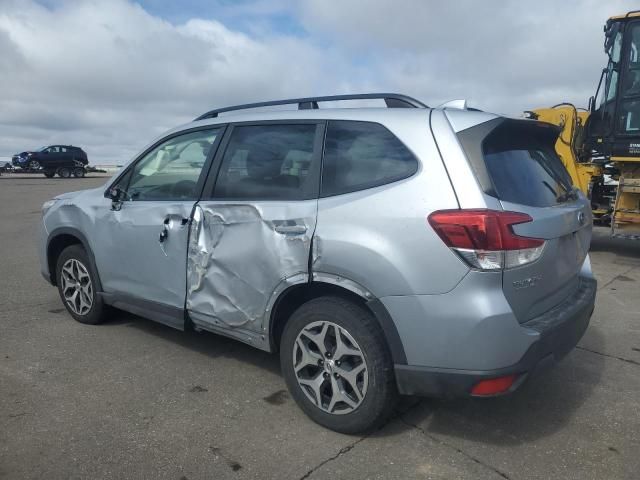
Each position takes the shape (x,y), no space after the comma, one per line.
(64,172)
(337,366)
(77,286)
(78,172)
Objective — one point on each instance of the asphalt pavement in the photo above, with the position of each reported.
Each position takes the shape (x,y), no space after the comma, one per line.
(135,399)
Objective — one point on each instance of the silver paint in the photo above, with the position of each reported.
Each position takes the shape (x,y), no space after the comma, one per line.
(378,240)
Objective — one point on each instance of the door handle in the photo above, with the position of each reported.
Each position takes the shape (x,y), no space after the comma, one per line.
(164,234)
(291,229)
(166,225)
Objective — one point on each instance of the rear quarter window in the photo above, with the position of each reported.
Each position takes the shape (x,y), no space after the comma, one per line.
(361,155)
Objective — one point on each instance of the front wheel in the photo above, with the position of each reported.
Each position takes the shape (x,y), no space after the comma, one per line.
(77,286)
(337,365)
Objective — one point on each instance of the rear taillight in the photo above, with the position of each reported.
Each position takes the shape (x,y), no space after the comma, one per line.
(485,238)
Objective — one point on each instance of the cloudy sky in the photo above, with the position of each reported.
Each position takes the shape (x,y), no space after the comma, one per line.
(110,75)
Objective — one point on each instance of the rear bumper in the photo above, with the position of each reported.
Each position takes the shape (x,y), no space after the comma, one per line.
(558,331)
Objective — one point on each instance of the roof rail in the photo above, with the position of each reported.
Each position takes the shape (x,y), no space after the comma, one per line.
(393,100)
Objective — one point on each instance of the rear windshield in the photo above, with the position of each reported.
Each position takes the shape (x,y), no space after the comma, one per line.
(524,167)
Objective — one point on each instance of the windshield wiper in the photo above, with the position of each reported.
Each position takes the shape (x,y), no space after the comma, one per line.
(551,189)
(571,194)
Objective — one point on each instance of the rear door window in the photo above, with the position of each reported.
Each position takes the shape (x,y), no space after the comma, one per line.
(270,162)
(361,155)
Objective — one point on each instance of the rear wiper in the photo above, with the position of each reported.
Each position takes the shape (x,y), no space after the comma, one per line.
(553,173)
(568,195)
(551,189)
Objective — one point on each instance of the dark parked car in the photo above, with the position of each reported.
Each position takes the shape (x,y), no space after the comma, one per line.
(65,160)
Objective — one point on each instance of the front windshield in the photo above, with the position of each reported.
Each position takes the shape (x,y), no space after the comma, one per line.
(41,149)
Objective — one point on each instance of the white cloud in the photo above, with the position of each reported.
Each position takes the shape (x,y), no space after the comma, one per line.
(109,76)
(502,55)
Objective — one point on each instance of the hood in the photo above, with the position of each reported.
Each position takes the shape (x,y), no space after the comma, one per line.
(90,191)
(69,195)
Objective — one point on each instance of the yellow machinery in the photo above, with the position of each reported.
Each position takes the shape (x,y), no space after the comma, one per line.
(601,146)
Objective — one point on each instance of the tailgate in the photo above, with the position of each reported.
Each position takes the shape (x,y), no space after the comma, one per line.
(537,287)
(515,161)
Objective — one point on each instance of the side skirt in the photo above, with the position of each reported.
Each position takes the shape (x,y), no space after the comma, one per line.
(214,325)
(158,312)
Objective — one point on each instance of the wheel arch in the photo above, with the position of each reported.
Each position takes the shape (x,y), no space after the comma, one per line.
(295,296)
(61,238)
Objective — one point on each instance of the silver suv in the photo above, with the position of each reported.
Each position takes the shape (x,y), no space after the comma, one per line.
(436,252)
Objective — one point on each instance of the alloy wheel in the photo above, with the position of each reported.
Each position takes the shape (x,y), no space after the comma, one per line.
(330,367)
(77,288)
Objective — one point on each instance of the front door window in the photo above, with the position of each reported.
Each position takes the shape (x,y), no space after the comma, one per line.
(172,169)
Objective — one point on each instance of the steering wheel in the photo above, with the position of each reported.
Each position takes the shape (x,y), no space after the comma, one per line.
(183,188)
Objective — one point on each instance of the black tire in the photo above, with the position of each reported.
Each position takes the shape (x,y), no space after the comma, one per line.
(78,172)
(64,172)
(381,394)
(96,314)
(34,165)
(49,173)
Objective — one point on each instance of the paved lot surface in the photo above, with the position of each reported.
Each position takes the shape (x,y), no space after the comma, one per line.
(134,399)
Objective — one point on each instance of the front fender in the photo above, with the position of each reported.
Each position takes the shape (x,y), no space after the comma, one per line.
(73,232)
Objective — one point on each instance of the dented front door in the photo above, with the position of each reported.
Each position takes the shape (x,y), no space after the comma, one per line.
(251,239)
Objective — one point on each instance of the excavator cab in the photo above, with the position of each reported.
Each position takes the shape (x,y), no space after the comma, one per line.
(613,128)
(600,146)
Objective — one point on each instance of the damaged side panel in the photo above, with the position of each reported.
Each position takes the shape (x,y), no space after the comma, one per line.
(240,257)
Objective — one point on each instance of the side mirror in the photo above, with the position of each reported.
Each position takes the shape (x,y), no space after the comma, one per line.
(114,193)
(117,195)
(592,104)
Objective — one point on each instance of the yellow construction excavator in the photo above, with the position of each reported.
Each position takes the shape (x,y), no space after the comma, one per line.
(600,145)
